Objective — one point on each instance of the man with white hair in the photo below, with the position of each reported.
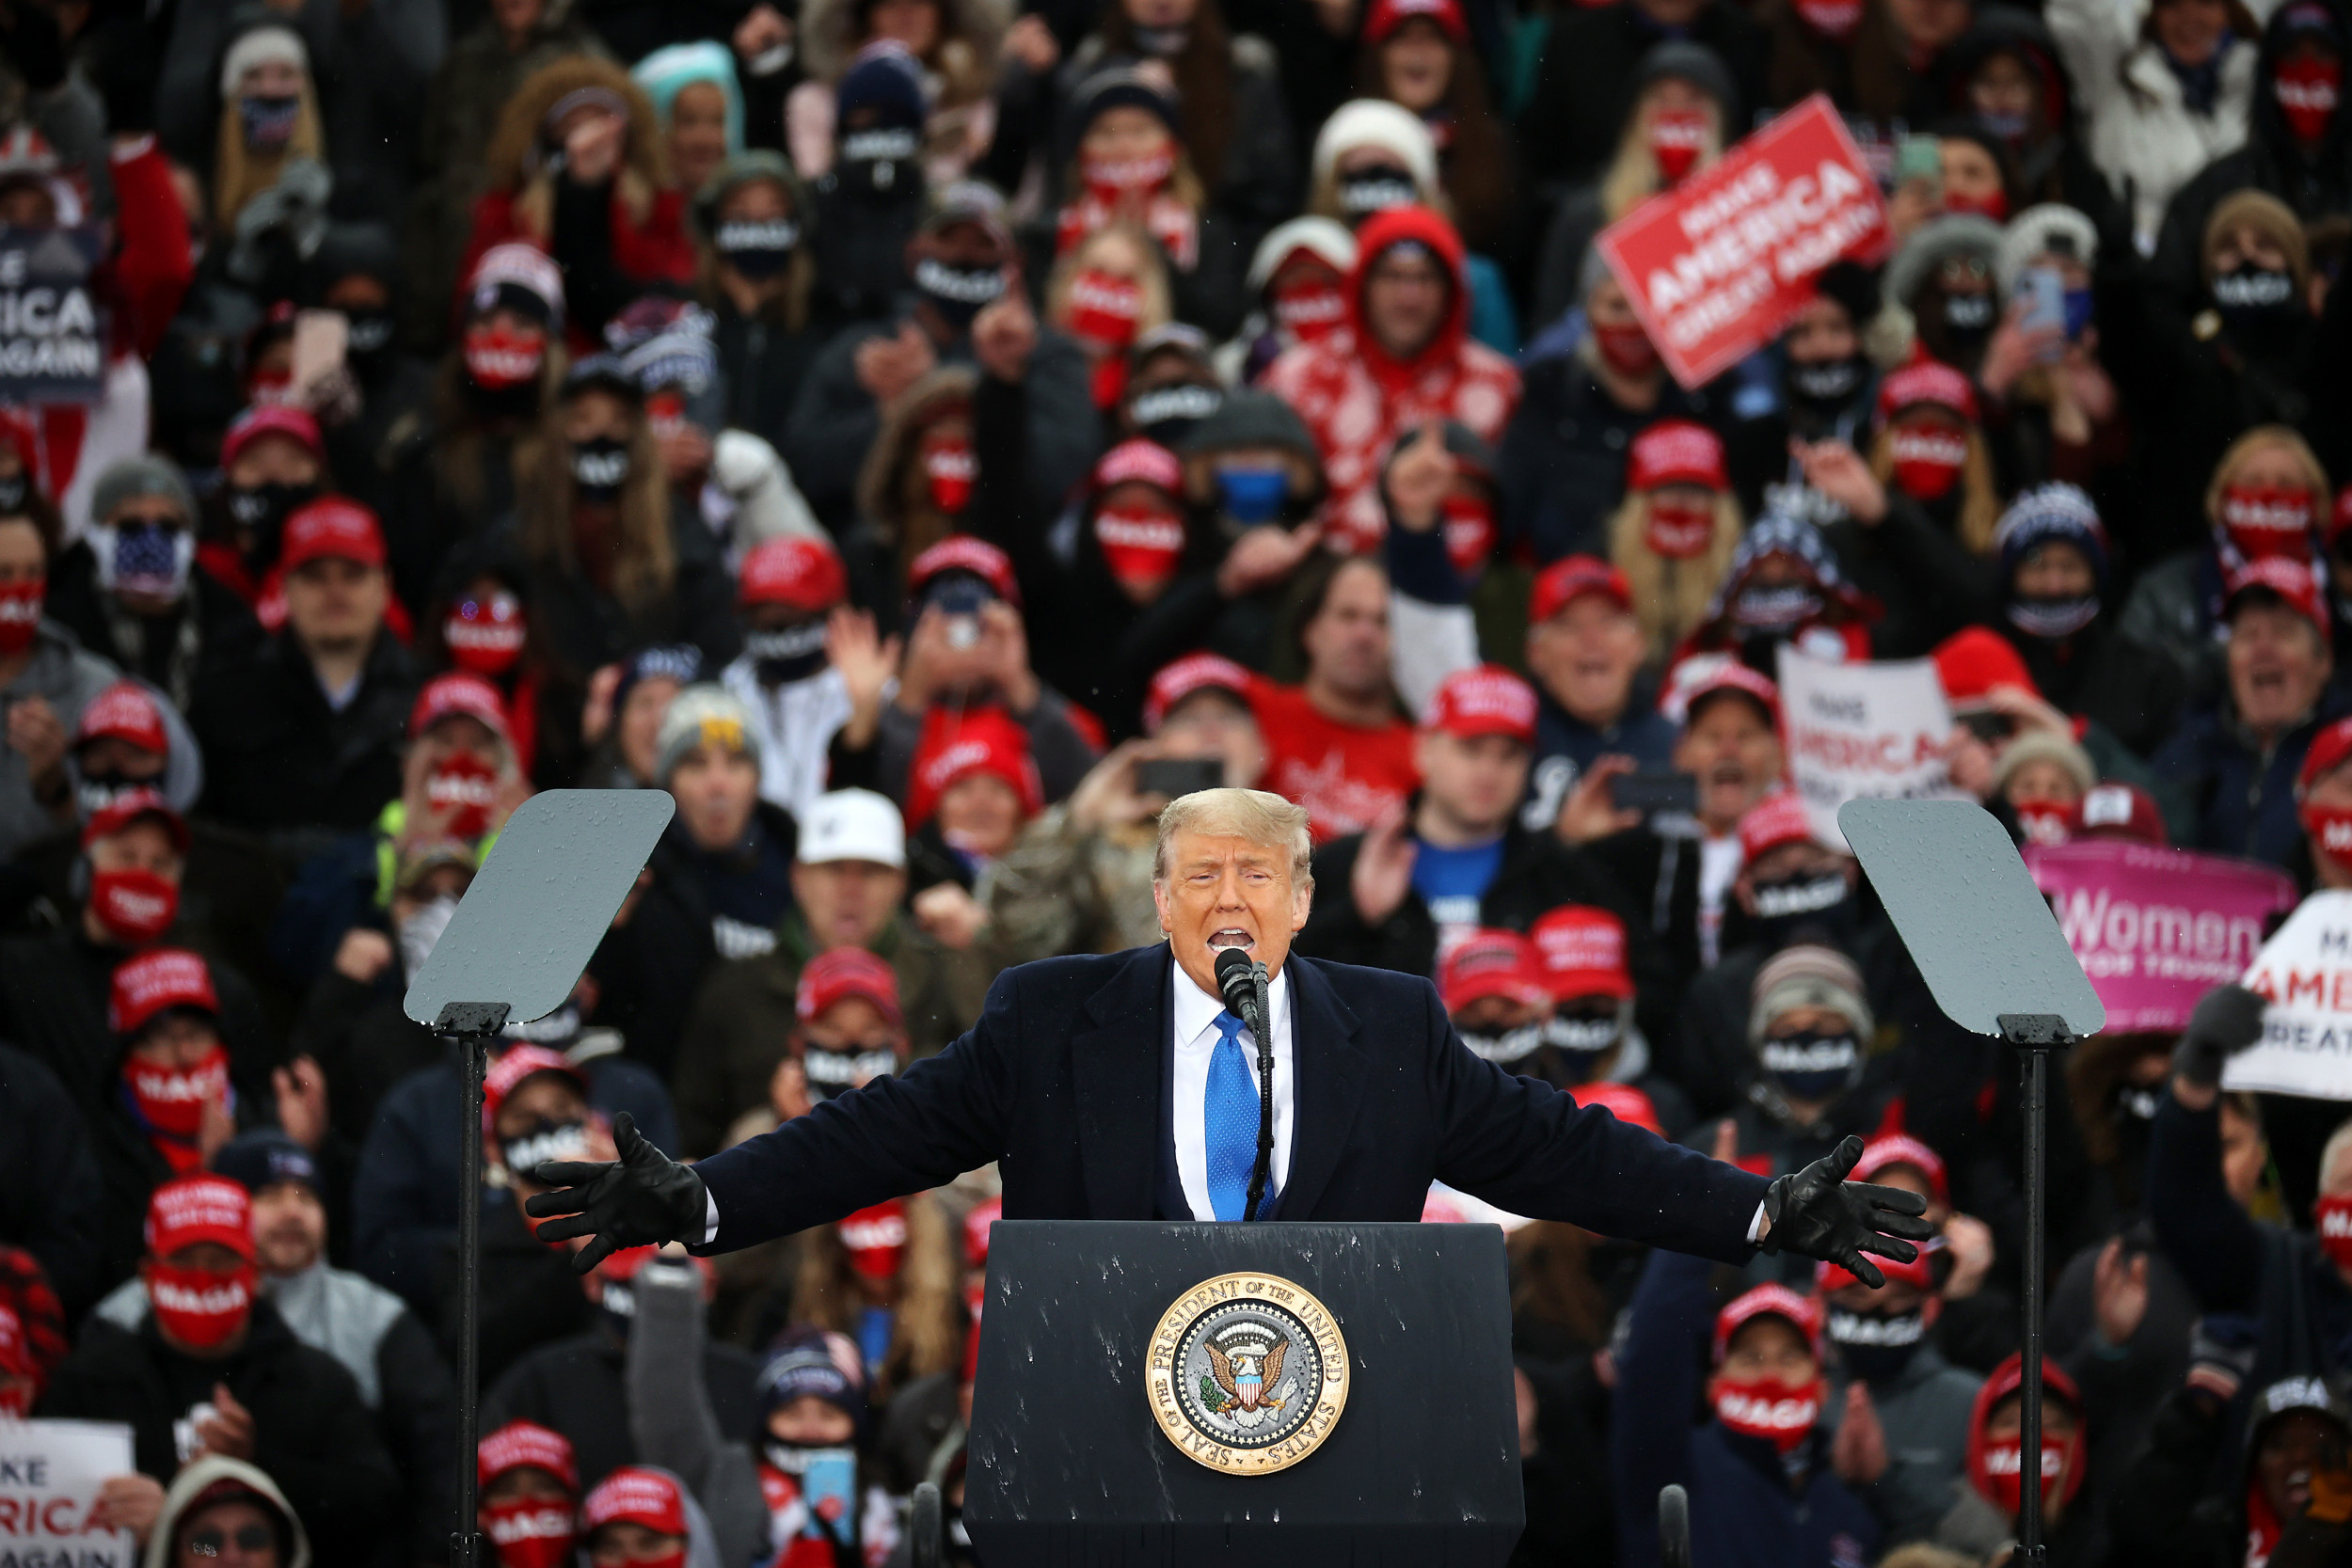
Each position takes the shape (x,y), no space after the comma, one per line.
(1118,1086)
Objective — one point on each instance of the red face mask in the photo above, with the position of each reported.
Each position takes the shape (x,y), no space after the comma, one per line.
(135,907)
(2004,1470)
(2333,1218)
(485,636)
(951,467)
(198,1307)
(498,357)
(1110,178)
(468,784)
(20,613)
(2263,520)
(1928,460)
(1679,529)
(171,1100)
(1104,307)
(1993,205)
(668,1559)
(1468,522)
(2331,828)
(876,1240)
(1783,1413)
(529,1534)
(1626,350)
(1140,547)
(1309,311)
(1832,19)
(2042,824)
(2307,91)
(1677,136)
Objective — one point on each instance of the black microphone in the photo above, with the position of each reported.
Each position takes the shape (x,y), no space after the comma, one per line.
(1233,981)
(1243,984)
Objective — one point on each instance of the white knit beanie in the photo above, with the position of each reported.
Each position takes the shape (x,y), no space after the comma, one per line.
(264,46)
(1377,122)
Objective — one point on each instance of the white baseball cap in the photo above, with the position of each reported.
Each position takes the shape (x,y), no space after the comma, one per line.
(853,825)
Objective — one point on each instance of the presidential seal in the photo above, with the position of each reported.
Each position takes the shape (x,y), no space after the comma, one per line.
(1248,1373)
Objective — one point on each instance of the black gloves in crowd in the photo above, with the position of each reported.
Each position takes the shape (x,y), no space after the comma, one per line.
(1817,1213)
(2226,1020)
(643,1199)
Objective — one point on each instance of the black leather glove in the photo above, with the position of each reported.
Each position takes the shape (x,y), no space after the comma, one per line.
(2226,1020)
(1817,1213)
(643,1199)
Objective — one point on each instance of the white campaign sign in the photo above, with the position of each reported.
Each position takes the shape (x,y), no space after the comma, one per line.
(2305,972)
(50,1473)
(1857,731)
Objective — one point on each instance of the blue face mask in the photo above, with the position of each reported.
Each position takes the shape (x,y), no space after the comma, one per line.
(2077,312)
(1252,496)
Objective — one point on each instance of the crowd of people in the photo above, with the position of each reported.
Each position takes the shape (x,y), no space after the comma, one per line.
(926,440)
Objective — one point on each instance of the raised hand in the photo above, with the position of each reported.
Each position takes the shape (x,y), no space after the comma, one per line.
(1817,1213)
(641,1199)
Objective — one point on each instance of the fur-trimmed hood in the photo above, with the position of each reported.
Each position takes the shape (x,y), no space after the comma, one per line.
(513,153)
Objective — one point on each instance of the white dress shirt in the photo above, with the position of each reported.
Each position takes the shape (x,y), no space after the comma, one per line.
(1196,1037)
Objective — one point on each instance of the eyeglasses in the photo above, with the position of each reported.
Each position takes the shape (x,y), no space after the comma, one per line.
(250,1539)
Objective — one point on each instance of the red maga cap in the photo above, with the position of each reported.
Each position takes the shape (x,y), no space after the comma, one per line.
(1565,581)
(1141,462)
(1705,675)
(199,1208)
(457,692)
(158,978)
(127,808)
(124,711)
(638,1495)
(270,419)
(1193,672)
(842,972)
(1778,818)
(986,741)
(2291,579)
(1492,964)
(962,552)
(796,571)
(2118,811)
(1768,1301)
(1486,699)
(2330,749)
(332,527)
(515,1064)
(1927,381)
(1624,1102)
(520,1443)
(1902,1149)
(1677,451)
(1386,16)
(1579,951)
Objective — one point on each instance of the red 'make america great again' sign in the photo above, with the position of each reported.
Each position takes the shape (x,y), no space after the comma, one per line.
(1715,266)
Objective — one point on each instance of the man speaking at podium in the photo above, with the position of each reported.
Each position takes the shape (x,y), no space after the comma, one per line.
(1121,1086)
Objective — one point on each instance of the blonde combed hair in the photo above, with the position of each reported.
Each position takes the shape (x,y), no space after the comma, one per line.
(926,1327)
(1257,815)
(2261,437)
(1632,176)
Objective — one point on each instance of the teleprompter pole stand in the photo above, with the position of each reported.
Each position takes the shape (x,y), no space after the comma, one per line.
(470,1026)
(2034,1035)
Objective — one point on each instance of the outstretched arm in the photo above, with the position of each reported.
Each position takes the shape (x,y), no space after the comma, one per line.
(895,1135)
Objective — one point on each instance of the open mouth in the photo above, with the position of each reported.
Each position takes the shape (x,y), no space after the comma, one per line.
(1728,773)
(1231,935)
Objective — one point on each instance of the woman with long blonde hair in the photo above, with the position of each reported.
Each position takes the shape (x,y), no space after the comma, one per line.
(893,1263)
(1928,446)
(1673,534)
(269,118)
(1105,292)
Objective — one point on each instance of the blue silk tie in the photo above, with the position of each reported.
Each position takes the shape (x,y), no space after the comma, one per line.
(1229,1121)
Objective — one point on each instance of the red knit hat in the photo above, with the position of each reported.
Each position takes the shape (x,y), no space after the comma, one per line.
(985,741)
(802,573)
(1972,662)
(158,978)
